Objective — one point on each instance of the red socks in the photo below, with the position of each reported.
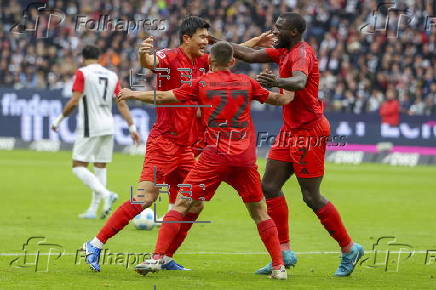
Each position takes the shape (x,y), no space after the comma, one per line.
(181,235)
(168,231)
(268,233)
(278,211)
(118,220)
(331,220)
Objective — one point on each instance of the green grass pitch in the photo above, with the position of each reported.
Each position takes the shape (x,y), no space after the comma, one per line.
(41,197)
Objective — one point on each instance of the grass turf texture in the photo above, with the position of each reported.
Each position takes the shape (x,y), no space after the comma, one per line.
(41,197)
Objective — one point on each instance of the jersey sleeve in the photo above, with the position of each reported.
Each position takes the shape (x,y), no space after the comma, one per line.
(117,88)
(187,91)
(79,82)
(274,53)
(258,93)
(300,61)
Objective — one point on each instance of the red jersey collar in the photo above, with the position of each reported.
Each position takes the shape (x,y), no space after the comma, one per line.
(193,61)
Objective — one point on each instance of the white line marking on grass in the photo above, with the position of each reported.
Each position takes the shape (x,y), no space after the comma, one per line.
(233,253)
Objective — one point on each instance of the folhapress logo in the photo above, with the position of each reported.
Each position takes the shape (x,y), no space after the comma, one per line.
(43,25)
(37,254)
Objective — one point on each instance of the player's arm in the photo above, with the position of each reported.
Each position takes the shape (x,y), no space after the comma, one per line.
(78,87)
(68,108)
(149,97)
(278,99)
(263,40)
(123,108)
(247,54)
(297,82)
(146,58)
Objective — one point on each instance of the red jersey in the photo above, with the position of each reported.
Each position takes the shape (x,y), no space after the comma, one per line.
(230,134)
(306,108)
(390,112)
(175,68)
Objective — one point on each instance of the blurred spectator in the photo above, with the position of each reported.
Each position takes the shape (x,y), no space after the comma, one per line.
(358,59)
(390,109)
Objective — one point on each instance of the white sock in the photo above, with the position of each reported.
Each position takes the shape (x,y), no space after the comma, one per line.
(91,181)
(167,259)
(95,202)
(101,175)
(96,243)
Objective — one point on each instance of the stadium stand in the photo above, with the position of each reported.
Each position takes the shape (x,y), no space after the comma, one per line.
(360,59)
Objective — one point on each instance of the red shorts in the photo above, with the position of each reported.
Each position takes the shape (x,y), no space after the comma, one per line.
(203,180)
(166,161)
(304,148)
(198,146)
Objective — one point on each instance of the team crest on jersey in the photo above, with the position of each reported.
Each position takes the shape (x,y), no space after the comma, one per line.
(161,54)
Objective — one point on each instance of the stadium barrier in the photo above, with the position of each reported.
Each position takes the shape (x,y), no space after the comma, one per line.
(26,115)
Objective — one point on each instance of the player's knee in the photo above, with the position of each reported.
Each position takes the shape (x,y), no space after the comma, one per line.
(312,199)
(196,206)
(145,201)
(183,204)
(271,190)
(307,199)
(145,198)
(146,193)
(257,212)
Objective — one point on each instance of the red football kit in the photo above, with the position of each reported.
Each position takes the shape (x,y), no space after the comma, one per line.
(168,150)
(303,137)
(230,151)
(229,154)
(169,156)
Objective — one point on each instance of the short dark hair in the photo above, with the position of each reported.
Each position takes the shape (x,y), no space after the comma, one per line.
(91,52)
(295,20)
(221,53)
(191,24)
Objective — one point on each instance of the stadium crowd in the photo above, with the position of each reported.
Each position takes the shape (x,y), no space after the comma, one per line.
(361,59)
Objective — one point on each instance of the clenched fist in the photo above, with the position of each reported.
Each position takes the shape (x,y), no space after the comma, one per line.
(146,46)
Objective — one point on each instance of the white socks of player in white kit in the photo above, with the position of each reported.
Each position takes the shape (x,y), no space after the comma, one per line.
(100,173)
(92,181)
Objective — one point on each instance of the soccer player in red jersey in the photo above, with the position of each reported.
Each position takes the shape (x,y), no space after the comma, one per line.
(169,155)
(230,152)
(301,144)
(176,67)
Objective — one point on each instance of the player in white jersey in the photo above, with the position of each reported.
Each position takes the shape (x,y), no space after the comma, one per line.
(93,90)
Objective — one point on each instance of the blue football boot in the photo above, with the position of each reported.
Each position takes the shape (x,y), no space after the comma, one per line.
(92,256)
(349,261)
(172,265)
(289,259)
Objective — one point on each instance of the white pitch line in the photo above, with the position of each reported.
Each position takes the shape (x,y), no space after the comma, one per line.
(232,253)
